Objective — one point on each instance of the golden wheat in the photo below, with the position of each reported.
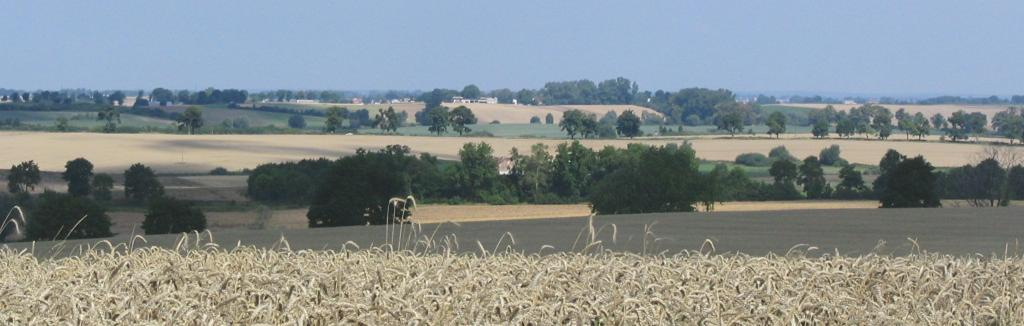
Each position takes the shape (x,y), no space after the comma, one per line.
(200,283)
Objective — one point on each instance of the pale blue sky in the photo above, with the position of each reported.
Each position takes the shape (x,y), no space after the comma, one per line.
(879,47)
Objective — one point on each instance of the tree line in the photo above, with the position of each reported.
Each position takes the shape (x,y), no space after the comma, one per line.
(635,179)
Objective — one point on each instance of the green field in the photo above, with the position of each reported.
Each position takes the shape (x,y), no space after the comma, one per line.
(85,120)
(215,115)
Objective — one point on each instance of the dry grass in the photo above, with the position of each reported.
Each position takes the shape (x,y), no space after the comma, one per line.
(197,283)
(200,153)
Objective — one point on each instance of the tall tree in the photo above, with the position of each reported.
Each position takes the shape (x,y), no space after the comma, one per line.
(191,120)
(851,184)
(881,122)
(776,124)
(78,174)
(911,183)
(812,177)
(470,92)
(111,116)
(572,122)
(140,183)
(335,115)
(438,120)
(162,95)
(885,168)
(1009,123)
(387,120)
(938,121)
(23,178)
(460,117)
(628,124)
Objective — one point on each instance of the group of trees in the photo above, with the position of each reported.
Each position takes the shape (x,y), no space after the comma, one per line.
(612,91)
(873,120)
(586,125)
(358,189)
(439,118)
(81,211)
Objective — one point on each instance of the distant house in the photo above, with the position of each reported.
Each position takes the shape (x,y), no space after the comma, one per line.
(357,100)
(850,102)
(505,165)
(307,101)
(487,100)
(462,100)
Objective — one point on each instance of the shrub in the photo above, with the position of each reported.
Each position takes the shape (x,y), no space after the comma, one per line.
(219,171)
(535,120)
(169,215)
(140,183)
(495,122)
(297,121)
(57,216)
(781,153)
(752,159)
(830,156)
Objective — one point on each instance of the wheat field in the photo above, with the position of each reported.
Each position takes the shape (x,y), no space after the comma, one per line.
(170,153)
(200,284)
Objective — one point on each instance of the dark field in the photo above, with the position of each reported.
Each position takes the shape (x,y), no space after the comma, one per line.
(956,231)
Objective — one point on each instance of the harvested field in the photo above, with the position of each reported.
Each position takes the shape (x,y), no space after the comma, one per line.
(168,153)
(194,286)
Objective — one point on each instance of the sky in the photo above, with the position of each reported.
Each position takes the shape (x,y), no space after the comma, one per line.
(848,47)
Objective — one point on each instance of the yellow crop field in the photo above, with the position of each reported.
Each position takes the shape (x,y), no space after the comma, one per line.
(199,153)
(196,284)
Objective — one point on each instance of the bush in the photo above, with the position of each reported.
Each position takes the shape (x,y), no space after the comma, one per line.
(752,159)
(297,121)
(140,183)
(56,216)
(219,171)
(781,153)
(495,122)
(830,156)
(535,120)
(169,215)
